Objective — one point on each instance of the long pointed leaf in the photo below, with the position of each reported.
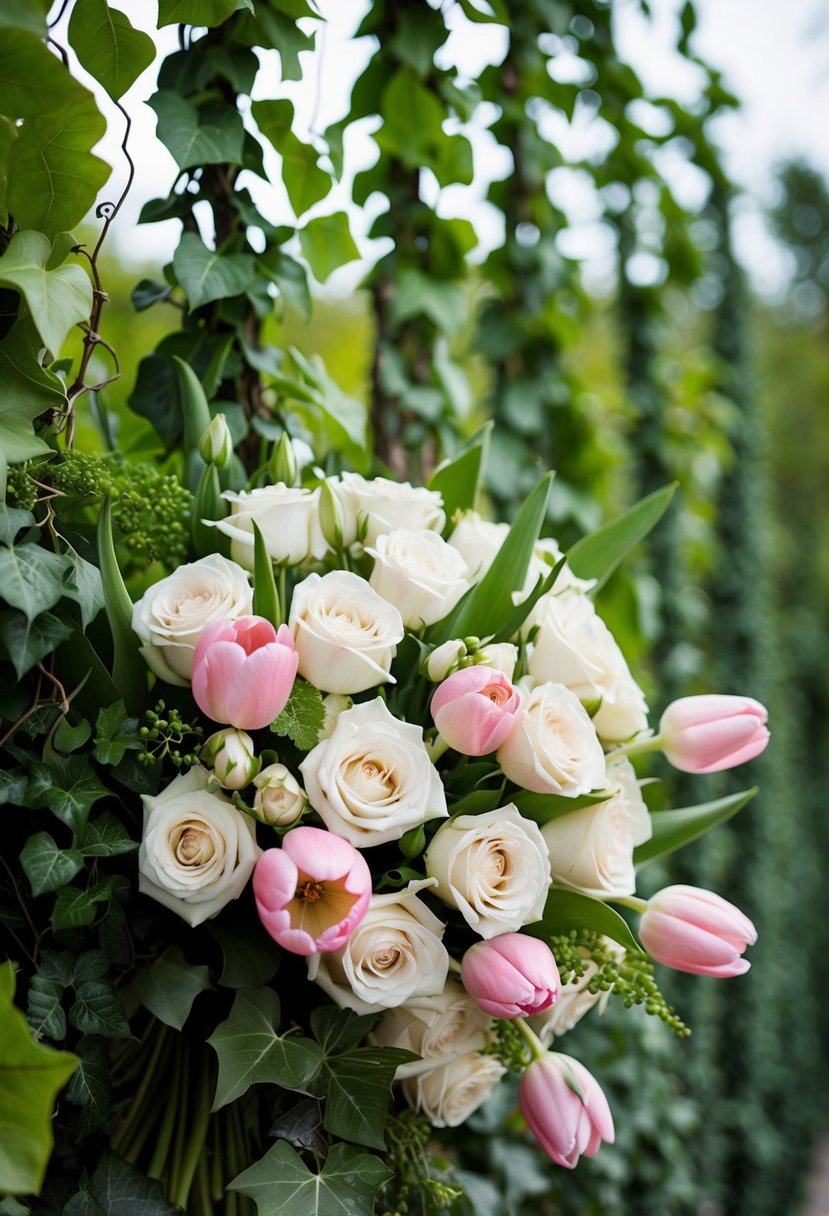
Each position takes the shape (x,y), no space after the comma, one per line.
(457,481)
(673,829)
(129,672)
(597,555)
(566,910)
(265,594)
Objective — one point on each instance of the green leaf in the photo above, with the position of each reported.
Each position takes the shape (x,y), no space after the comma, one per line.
(270,29)
(75,907)
(26,390)
(56,299)
(249,960)
(44,1008)
(210,135)
(282,1185)
(169,986)
(46,866)
(289,276)
(91,1086)
(413,117)
(566,910)
(27,642)
(305,182)
(32,578)
(12,786)
(128,669)
(457,480)
(205,275)
(68,786)
(30,1077)
(303,717)
(250,1051)
(82,583)
(673,829)
(97,1010)
(115,733)
(108,46)
(340,1029)
(68,738)
(544,807)
(597,556)
(265,595)
(358,1090)
(488,605)
(119,1189)
(486,11)
(12,521)
(327,243)
(417,294)
(24,15)
(198,12)
(106,836)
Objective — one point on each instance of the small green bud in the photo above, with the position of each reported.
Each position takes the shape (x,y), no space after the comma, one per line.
(216,444)
(331,516)
(282,465)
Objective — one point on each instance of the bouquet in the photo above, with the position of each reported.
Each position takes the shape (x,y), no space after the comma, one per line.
(324,834)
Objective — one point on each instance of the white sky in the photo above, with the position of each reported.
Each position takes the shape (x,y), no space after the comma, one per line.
(774,55)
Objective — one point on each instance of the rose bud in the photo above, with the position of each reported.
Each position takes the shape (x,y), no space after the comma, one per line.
(710,733)
(511,975)
(475,710)
(565,1108)
(696,931)
(243,671)
(443,660)
(280,799)
(230,753)
(313,892)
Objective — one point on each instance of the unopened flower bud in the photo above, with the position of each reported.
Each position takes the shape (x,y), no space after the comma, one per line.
(216,444)
(230,754)
(282,465)
(500,656)
(443,660)
(280,799)
(331,515)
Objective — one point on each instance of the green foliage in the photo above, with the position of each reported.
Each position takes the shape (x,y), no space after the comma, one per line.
(567,910)
(108,46)
(56,296)
(169,986)
(282,1184)
(673,829)
(303,716)
(597,556)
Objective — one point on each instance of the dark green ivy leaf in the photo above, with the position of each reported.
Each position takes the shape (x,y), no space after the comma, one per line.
(91,1086)
(97,1010)
(68,787)
(169,985)
(205,275)
(46,866)
(210,135)
(119,1189)
(26,641)
(282,1185)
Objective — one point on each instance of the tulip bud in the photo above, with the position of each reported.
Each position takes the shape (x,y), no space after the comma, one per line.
(565,1108)
(280,799)
(696,931)
(216,443)
(443,660)
(511,975)
(231,755)
(243,671)
(710,733)
(282,465)
(475,710)
(331,515)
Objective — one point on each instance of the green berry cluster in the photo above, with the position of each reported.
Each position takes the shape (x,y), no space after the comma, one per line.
(509,1045)
(164,735)
(21,491)
(628,976)
(150,508)
(416,1189)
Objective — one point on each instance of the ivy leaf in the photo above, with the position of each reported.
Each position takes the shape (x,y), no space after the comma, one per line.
(82,583)
(249,960)
(340,1029)
(68,787)
(26,390)
(327,243)
(289,276)
(205,275)
(270,29)
(115,733)
(198,12)
(30,1077)
(13,784)
(91,1086)
(282,1185)
(57,299)
(169,986)
(12,521)
(75,907)
(358,1090)
(210,135)
(23,15)
(32,578)
(46,866)
(303,717)
(148,292)
(44,1008)
(120,1189)
(305,182)
(250,1050)
(105,836)
(27,642)
(97,1010)
(108,46)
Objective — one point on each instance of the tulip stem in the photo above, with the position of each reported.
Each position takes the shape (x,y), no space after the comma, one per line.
(629,901)
(537,1048)
(637,747)
(436,748)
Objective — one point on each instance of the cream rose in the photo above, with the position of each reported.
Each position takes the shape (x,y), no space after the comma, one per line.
(494,868)
(381,505)
(172,614)
(345,634)
(546,554)
(436,1028)
(574,1001)
(449,1093)
(553,749)
(574,647)
(419,573)
(592,848)
(280,799)
(288,519)
(372,779)
(478,541)
(394,955)
(197,851)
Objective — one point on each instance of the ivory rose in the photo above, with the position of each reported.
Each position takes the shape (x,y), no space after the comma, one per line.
(395,954)
(478,541)
(592,848)
(494,868)
(172,614)
(288,519)
(372,779)
(449,1093)
(345,634)
(197,851)
(419,573)
(372,508)
(232,756)
(553,749)
(435,1027)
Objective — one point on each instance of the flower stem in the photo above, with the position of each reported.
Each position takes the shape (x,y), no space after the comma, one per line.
(436,748)
(196,1144)
(165,1132)
(125,1131)
(174,1174)
(629,901)
(537,1048)
(638,747)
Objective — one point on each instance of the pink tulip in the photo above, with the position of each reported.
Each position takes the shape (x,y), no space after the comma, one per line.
(243,671)
(710,733)
(565,1108)
(313,892)
(475,710)
(511,975)
(696,931)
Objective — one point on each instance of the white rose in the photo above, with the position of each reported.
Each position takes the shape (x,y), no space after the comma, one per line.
(197,851)
(345,634)
(372,779)
(547,554)
(288,519)
(419,573)
(478,541)
(494,868)
(395,954)
(449,1093)
(381,505)
(436,1028)
(574,1001)
(172,614)
(574,647)
(553,749)
(592,848)
(280,799)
